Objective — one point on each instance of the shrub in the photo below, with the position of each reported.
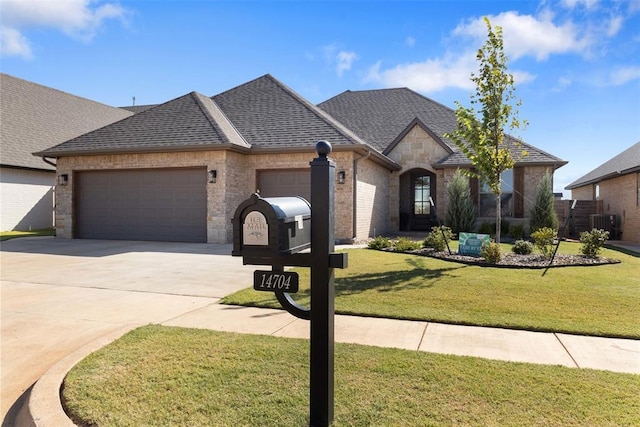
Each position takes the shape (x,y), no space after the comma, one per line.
(543,239)
(491,253)
(517,231)
(487,228)
(404,244)
(379,243)
(592,242)
(461,214)
(542,214)
(436,240)
(522,247)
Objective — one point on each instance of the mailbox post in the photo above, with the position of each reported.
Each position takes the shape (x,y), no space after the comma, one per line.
(322,286)
(274,231)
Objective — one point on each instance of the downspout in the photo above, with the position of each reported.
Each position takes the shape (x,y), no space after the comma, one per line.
(355,193)
(49,162)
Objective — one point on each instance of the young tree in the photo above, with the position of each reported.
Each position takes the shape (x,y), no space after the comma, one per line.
(480,134)
(542,212)
(461,214)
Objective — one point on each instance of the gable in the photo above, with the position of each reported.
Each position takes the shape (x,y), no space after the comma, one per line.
(417,148)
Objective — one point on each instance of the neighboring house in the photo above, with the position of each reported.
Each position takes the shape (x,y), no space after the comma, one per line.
(177,171)
(32,118)
(616,183)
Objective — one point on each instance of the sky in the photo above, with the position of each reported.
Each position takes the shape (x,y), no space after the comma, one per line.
(576,63)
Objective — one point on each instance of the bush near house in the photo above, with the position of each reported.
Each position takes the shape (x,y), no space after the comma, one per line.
(592,242)
(543,239)
(542,214)
(436,238)
(461,213)
(522,247)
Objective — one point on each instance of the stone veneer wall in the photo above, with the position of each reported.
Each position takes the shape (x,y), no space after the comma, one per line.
(416,150)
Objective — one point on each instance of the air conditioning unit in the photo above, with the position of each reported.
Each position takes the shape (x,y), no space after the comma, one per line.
(605,222)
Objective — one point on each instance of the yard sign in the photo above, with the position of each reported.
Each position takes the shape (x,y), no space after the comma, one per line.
(472,243)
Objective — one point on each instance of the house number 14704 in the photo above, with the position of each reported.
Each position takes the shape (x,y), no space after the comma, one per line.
(271,281)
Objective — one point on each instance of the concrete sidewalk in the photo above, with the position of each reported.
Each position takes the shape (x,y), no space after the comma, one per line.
(619,355)
(63,299)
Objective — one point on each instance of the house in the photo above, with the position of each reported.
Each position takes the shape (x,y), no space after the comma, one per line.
(35,117)
(616,185)
(178,170)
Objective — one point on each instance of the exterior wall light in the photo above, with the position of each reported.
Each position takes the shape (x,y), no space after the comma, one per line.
(342,175)
(213,176)
(63,179)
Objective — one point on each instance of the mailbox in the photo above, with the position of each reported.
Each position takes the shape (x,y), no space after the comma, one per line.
(271,227)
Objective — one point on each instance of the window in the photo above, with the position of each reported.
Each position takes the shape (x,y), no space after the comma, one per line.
(422,192)
(638,189)
(596,192)
(487,205)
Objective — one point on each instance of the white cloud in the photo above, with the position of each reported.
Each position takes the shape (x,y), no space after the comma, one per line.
(410,41)
(341,59)
(345,59)
(80,19)
(572,4)
(623,75)
(614,25)
(526,35)
(434,75)
(12,43)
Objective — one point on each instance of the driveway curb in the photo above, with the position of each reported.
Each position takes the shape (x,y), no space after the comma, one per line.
(43,407)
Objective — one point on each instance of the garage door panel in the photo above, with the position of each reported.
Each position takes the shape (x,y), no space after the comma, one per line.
(285,183)
(150,204)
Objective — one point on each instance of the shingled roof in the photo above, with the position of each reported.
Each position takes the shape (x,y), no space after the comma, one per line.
(190,122)
(36,117)
(624,163)
(270,115)
(381,116)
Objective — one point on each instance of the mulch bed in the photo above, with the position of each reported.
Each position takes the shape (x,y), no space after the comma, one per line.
(511,260)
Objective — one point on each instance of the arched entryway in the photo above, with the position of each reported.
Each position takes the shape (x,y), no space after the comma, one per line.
(417,186)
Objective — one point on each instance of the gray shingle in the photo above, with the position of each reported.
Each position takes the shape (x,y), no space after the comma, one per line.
(380,116)
(34,117)
(270,115)
(190,121)
(626,162)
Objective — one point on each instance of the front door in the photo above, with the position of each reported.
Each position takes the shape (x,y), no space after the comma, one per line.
(422,209)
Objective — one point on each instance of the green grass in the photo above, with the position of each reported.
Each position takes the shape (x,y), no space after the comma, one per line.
(6,235)
(596,300)
(160,376)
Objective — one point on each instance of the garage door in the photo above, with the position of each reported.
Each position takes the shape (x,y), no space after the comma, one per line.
(284,183)
(142,204)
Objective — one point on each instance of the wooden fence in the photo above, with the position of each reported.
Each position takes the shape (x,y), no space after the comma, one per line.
(580,219)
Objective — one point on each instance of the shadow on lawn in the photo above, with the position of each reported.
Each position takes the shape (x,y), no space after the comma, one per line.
(420,276)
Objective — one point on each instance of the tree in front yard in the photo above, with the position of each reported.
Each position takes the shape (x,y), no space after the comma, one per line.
(542,213)
(480,134)
(461,214)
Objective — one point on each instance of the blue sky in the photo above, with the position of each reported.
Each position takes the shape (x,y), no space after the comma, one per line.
(576,62)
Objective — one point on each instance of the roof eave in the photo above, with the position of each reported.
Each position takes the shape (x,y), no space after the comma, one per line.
(601,178)
(143,150)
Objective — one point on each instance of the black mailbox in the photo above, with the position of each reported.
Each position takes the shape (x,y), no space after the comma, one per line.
(271,227)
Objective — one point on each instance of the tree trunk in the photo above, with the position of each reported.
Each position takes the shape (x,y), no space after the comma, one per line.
(498,216)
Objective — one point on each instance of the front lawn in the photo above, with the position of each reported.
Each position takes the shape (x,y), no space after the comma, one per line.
(596,300)
(161,376)
(6,235)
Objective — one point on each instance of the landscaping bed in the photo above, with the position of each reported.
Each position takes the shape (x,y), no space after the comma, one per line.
(511,260)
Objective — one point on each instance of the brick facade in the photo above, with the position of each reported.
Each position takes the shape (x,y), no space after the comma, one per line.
(619,196)
(236,181)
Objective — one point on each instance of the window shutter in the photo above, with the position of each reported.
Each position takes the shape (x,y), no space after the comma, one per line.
(473,186)
(518,192)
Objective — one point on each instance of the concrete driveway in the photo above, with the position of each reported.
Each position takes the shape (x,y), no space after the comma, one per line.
(59,295)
